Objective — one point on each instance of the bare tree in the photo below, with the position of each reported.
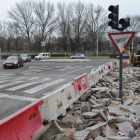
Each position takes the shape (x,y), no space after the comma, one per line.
(45,17)
(22,14)
(94,15)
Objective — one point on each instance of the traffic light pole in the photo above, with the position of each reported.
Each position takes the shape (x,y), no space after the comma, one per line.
(120,77)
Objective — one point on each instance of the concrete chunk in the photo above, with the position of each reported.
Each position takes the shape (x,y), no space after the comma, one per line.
(118,138)
(96,129)
(125,127)
(100,138)
(89,115)
(128,102)
(81,135)
(109,132)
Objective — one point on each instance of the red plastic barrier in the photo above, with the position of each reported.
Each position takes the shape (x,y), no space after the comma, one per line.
(125,63)
(80,84)
(22,125)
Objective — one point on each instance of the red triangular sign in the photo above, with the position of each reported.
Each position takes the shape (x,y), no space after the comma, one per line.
(121,40)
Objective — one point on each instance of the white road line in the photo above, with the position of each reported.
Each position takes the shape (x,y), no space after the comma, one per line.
(21,86)
(72,72)
(63,69)
(10,84)
(38,88)
(34,78)
(45,79)
(20,78)
(4,81)
(2,95)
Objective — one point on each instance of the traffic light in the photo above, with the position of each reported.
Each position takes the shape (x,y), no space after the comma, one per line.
(114,16)
(125,22)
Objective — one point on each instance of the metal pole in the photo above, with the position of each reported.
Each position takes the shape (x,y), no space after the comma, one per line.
(120,78)
(97,33)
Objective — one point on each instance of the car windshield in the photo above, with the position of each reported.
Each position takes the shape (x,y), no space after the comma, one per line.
(12,58)
(40,54)
(23,55)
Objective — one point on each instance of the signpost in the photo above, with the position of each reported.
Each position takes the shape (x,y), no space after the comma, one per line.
(121,41)
(86,53)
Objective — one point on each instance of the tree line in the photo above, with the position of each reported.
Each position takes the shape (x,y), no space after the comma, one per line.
(63,27)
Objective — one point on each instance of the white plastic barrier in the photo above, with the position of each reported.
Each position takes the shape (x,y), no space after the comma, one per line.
(104,69)
(94,77)
(115,64)
(109,65)
(56,103)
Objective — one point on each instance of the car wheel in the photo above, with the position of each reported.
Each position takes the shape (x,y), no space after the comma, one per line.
(82,58)
(4,67)
(36,59)
(30,60)
(39,58)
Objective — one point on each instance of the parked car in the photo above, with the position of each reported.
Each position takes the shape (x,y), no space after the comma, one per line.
(13,61)
(26,57)
(125,55)
(78,56)
(43,56)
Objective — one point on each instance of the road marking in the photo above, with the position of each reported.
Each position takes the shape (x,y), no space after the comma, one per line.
(20,78)
(41,87)
(45,79)
(63,69)
(4,81)
(21,86)
(2,95)
(34,78)
(72,72)
(69,67)
(10,84)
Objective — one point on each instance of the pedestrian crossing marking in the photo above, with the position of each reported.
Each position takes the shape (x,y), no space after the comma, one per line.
(10,84)
(21,86)
(43,86)
(3,95)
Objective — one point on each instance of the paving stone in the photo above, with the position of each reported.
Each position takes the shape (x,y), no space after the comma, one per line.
(81,135)
(92,102)
(137,110)
(125,127)
(109,132)
(100,138)
(89,115)
(128,102)
(118,138)
(98,106)
(98,89)
(96,129)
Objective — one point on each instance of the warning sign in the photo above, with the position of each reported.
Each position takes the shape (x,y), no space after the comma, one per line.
(121,40)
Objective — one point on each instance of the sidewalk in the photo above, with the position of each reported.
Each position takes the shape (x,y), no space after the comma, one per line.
(66,60)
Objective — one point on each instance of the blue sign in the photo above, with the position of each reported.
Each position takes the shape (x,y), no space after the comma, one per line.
(86,53)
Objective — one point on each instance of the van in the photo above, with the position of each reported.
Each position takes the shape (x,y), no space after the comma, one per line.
(43,56)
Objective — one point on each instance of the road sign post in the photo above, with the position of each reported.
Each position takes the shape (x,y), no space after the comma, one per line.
(86,53)
(121,41)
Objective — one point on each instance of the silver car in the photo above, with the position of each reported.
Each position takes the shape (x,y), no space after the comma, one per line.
(78,56)
(26,57)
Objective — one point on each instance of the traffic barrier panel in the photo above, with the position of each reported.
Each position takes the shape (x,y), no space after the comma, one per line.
(109,66)
(115,65)
(124,63)
(22,125)
(104,69)
(56,103)
(81,84)
(94,77)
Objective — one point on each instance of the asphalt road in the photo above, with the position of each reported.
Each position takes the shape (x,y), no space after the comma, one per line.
(21,86)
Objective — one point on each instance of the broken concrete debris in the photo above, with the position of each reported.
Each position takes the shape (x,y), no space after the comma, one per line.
(100,115)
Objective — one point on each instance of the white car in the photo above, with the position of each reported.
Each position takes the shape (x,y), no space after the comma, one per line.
(78,56)
(26,57)
(42,56)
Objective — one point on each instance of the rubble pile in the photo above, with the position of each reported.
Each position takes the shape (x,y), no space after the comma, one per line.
(100,115)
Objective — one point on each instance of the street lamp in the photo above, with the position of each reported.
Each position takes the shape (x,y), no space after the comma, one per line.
(98,10)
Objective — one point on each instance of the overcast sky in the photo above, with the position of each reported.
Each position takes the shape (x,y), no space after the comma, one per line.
(126,7)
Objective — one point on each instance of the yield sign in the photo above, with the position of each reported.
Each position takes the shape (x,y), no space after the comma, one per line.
(121,40)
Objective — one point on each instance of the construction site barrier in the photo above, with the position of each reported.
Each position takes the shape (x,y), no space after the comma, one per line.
(22,125)
(127,62)
(115,65)
(124,63)
(109,65)
(104,69)
(81,84)
(56,103)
